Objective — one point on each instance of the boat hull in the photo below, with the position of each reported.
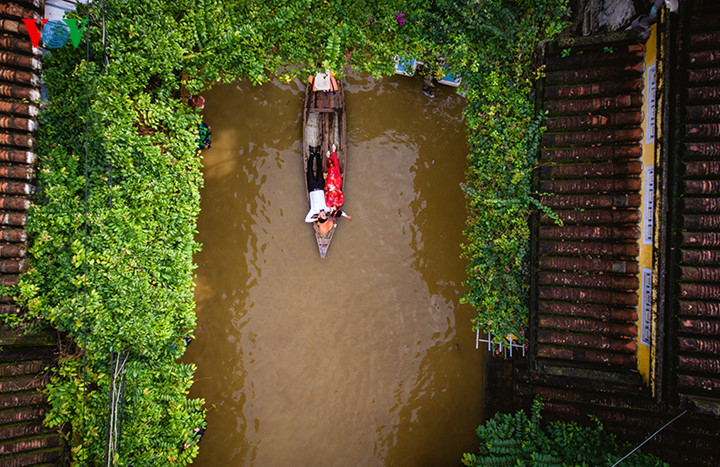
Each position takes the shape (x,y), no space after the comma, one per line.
(323,126)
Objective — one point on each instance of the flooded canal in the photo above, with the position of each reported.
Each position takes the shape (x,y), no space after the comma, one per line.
(365,357)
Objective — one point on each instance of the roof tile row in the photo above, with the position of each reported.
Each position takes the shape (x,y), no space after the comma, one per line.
(697,233)
(23,438)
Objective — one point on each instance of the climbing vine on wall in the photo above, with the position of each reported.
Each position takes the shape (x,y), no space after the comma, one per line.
(144,178)
(497,46)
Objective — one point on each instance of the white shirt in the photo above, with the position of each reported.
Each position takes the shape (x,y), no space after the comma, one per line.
(317,204)
(323,82)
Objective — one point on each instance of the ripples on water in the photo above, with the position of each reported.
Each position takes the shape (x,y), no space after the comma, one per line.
(366,357)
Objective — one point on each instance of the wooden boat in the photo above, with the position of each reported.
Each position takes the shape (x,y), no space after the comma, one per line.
(324,125)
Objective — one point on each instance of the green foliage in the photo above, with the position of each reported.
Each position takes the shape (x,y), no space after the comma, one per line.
(140,241)
(141,221)
(292,39)
(515,439)
(497,44)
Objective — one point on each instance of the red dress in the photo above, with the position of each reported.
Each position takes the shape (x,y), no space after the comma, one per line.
(333,184)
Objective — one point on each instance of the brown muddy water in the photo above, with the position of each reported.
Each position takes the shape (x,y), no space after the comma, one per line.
(366,357)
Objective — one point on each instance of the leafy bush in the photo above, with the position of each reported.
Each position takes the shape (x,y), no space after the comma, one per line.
(143,201)
(497,44)
(515,439)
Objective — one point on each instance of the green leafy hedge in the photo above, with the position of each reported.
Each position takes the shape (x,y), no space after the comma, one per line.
(143,187)
(515,439)
(498,46)
(144,178)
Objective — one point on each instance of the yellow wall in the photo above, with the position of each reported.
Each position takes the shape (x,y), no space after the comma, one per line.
(647,206)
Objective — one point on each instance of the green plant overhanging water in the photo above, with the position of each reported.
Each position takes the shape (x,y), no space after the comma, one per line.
(140,243)
(515,439)
(504,135)
(144,178)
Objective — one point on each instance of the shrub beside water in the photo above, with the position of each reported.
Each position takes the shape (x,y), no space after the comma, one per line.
(497,46)
(515,439)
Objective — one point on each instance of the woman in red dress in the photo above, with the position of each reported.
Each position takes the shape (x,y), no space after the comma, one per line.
(334,197)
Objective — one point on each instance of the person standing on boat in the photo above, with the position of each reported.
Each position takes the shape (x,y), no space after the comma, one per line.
(323,82)
(315,185)
(326,220)
(334,197)
(325,224)
(319,211)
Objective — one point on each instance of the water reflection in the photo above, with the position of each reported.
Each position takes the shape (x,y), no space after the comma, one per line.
(366,357)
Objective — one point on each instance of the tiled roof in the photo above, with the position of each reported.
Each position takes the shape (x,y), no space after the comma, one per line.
(696,220)
(585,294)
(584,284)
(23,358)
